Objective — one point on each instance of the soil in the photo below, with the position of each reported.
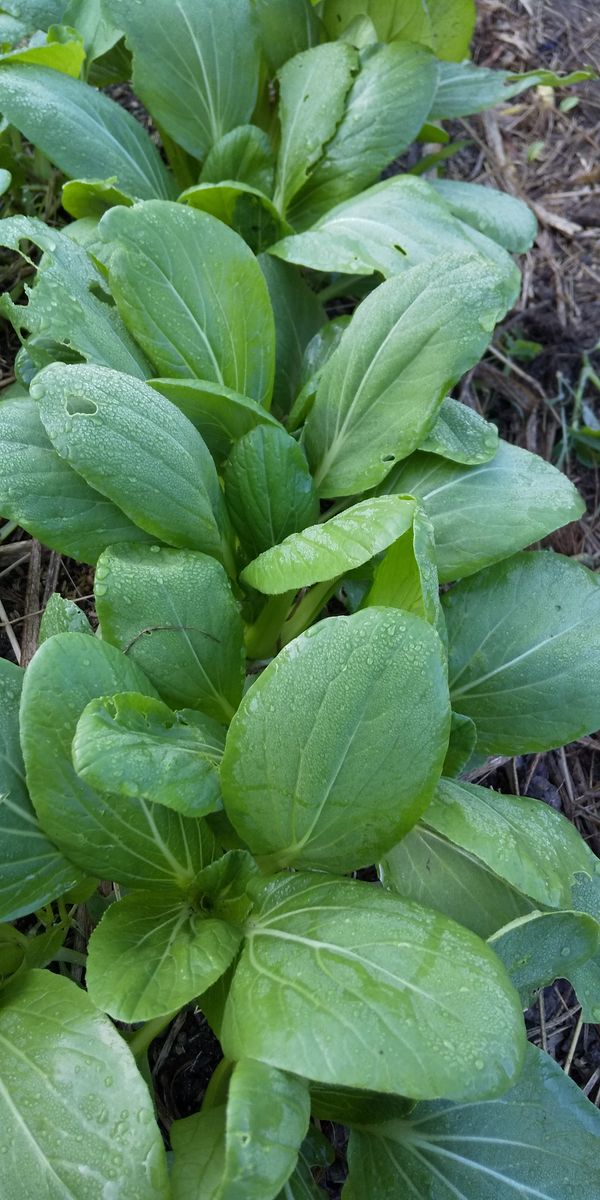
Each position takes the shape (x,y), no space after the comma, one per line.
(535,383)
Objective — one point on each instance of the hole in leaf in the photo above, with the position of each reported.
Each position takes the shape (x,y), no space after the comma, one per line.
(389,458)
(81,404)
(98,291)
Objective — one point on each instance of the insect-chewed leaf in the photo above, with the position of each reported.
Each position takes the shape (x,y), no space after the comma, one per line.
(461,435)
(354,770)
(541,947)
(540,1139)
(382,388)
(387,105)
(354,986)
(327,550)
(484,513)
(113,430)
(182,59)
(40,491)
(312,91)
(192,294)
(430,870)
(523,841)
(497,214)
(124,1150)
(247,1148)
(219,414)
(149,956)
(139,844)
(524,660)
(174,614)
(32,870)
(82,131)
(135,746)
(70,302)
(269,490)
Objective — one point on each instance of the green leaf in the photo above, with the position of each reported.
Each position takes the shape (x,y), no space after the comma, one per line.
(298,317)
(148,956)
(541,947)
(497,214)
(99,1132)
(355,1106)
(268,488)
(389,228)
(83,132)
(32,870)
(285,28)
(461,435)
(40,491)
(89,19)
(393,19)
(539,1140)
(57,49)
(406,576)
(189,89)
(69,302)
(365,688)
(452,23)
(461,747)
(385,109)
(464,88)
(173,613)
(135,746)
(315,1152)
(244,154)
(254,1139)
(523,841)
(426,868)
(138,844)
(113,430)
(380,392)
(193,296)
(312,92)
(219,414)
(91,198)
(62,616)
(328,550)
(314,359)
(484,513)
(346,999)
(245,209)
(523,646)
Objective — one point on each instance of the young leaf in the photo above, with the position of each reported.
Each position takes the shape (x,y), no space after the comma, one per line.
(32,870)
(523,642)
(62,616)
(40,491)
(69,302)
(220,415)
(286,27)
(173,613)
(60,49)
(426,868)
(183,55)
(392,226)
(138,844)
(244,154)
(498,215)
(542,947)
(91,198)
(485,513)
(461,435)
(268,488)
(255,1138)
(539,1140)
(352,773)
(406,576)
(394,20)
(298,317)
(312,92)
(193,296)
(103,1128)
(382,388)
(132,745)
(113,429)
(150,956)
(523,841)
(83,132)
(356,986)
(327,550)
(387,105)
(245,209)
